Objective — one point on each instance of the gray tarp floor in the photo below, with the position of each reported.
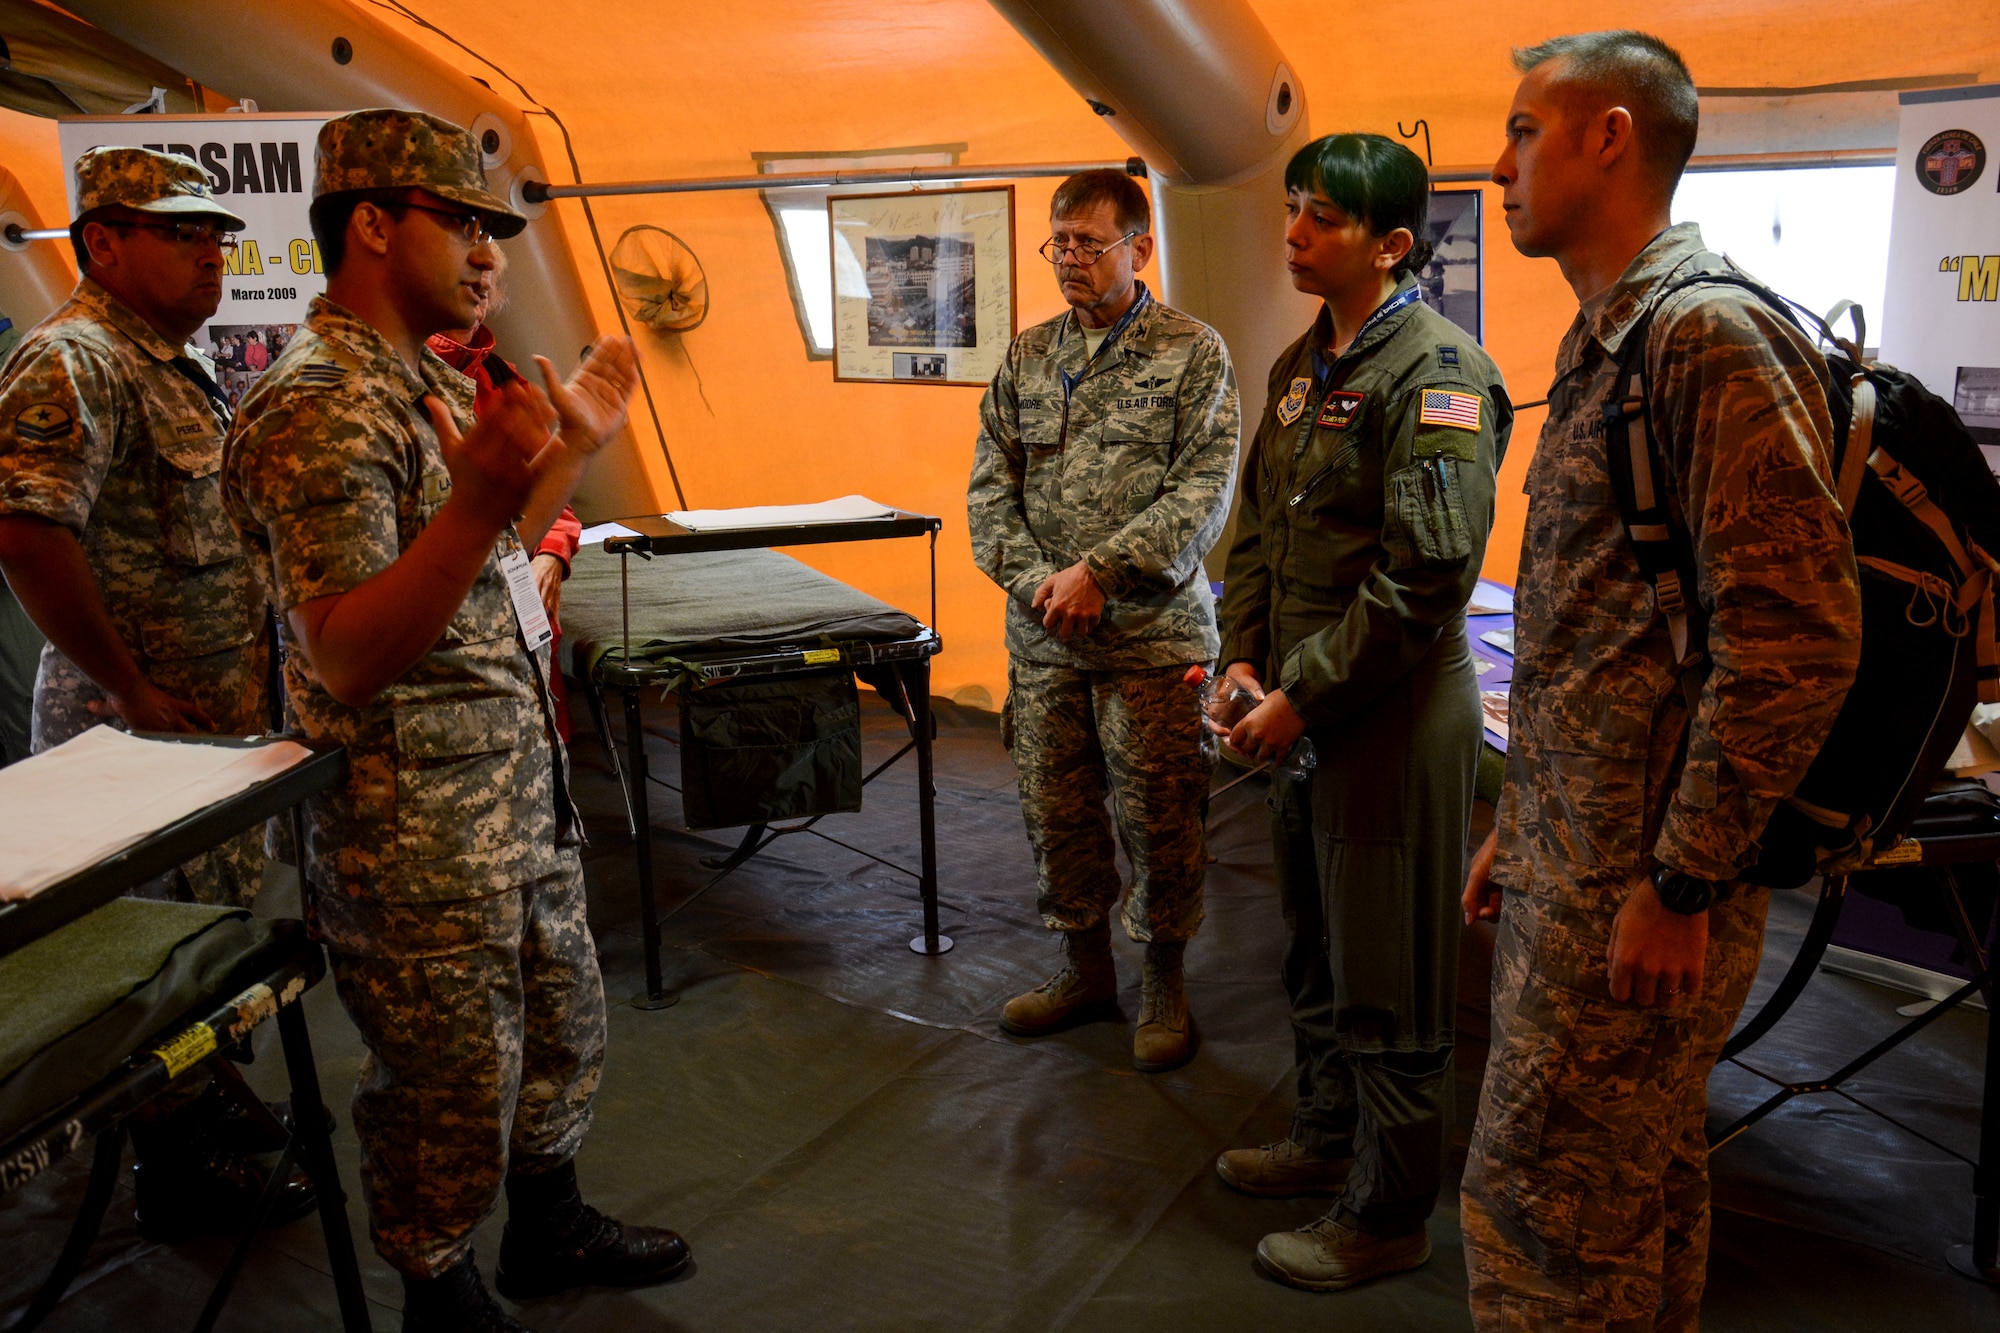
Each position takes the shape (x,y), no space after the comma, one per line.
(848,1140)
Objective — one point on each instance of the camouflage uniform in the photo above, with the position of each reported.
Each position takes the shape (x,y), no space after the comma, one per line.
(1125,461)
(1585,1201)
(444,874)
(115,433)
(1367,500)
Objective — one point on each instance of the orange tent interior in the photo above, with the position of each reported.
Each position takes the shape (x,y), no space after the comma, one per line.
(689,90)
(838,1123)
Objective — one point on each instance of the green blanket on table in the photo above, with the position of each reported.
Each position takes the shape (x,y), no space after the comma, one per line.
(713,600)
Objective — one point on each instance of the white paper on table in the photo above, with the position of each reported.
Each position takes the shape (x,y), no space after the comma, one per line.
(1493,706)
(1503,639)
(597,532)
(1491,599)
(68,808)
(847,509)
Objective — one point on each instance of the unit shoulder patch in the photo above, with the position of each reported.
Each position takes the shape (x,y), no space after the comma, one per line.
(1444,407)
(1294,401)
(1340,409)
(41,422)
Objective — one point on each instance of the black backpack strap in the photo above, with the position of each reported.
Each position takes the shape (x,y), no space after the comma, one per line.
(1639,481)
(1660,539)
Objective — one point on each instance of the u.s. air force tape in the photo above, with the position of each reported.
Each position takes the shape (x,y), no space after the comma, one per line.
(187,1049)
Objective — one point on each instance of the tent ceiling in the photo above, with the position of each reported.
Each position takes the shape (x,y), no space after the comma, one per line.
(52,64)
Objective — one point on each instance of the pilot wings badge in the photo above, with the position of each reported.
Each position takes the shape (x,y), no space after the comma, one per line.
(1294,401)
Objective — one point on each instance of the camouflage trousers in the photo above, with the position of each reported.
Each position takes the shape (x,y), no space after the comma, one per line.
(1585,1201)
(484,1023)
(1137,736)
(232,687)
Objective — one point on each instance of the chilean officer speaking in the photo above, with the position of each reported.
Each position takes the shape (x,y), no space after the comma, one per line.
(444,872)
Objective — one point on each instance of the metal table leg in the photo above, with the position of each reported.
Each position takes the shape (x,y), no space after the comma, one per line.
(917,685)
(82,1233)
(656,995)
(316,1152)
(1981,1259)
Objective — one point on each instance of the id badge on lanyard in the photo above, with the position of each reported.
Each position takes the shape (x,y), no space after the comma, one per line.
(529,612)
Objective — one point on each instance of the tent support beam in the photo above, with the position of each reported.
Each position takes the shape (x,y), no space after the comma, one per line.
(1824,157)
(536,192)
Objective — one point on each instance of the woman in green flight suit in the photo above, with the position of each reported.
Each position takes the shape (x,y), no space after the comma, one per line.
(1367,498)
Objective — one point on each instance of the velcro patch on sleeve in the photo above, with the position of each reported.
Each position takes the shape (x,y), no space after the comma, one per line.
(42,422)
(1444,407)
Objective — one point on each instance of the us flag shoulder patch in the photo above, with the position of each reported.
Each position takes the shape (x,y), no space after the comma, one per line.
(1442,407)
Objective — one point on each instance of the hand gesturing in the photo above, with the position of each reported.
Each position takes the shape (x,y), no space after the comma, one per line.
(493,466)
(591,405)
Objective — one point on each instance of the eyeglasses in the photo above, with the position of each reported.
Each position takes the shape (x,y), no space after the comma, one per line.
(471,227)
(1080,253)
(193,235)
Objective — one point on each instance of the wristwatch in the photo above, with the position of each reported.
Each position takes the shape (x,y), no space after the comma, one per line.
(1684,894)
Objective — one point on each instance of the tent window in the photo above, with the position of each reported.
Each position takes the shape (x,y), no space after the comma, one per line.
(804,238)
(1819,235)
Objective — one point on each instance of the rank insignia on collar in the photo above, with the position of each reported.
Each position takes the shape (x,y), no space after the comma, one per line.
(1341,406)
(1294,401)
(43,421)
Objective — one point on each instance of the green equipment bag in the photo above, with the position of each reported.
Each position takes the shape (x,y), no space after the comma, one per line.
(761,750)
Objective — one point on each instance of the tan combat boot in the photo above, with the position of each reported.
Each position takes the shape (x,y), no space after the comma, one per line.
(1165,1037)
(1331,1255)
(1283,1170)
(1085,988)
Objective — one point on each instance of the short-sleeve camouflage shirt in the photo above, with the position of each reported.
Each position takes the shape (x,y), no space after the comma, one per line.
(106,429)
(331,472)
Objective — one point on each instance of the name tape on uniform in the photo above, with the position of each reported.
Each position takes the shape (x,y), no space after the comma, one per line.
(1442,407)
(529,612)
(1339,409)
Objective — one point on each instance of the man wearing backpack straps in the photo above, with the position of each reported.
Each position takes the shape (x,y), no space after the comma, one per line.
(1627,945)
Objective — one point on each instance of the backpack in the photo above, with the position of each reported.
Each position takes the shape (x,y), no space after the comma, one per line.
(1923,509)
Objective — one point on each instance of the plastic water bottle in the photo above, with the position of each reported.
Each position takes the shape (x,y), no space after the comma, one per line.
(1225,702)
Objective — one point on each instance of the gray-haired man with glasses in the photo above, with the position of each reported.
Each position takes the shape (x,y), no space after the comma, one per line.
(1102,476)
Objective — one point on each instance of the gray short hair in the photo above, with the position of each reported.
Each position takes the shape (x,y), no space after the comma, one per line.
(1639,72)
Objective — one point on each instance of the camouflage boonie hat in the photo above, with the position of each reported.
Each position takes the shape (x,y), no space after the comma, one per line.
(387,149)
(148,181)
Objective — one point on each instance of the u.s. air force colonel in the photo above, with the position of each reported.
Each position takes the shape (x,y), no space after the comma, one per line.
(1105,463)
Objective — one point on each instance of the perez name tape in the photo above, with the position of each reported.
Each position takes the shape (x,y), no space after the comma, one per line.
(820,656)
(187,1049)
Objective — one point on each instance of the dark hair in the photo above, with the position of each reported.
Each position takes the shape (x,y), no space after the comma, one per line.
(1374,180)
(1639,72)
(329,215)
(1085,190)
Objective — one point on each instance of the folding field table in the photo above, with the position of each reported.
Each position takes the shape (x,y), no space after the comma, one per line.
(1938,854)
(268,980)
(691,619)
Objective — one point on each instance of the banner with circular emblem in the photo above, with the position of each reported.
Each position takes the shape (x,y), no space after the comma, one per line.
(1942,317)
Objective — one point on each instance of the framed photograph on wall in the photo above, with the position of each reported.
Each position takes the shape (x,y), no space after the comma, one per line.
(923,285)
(1450,282)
